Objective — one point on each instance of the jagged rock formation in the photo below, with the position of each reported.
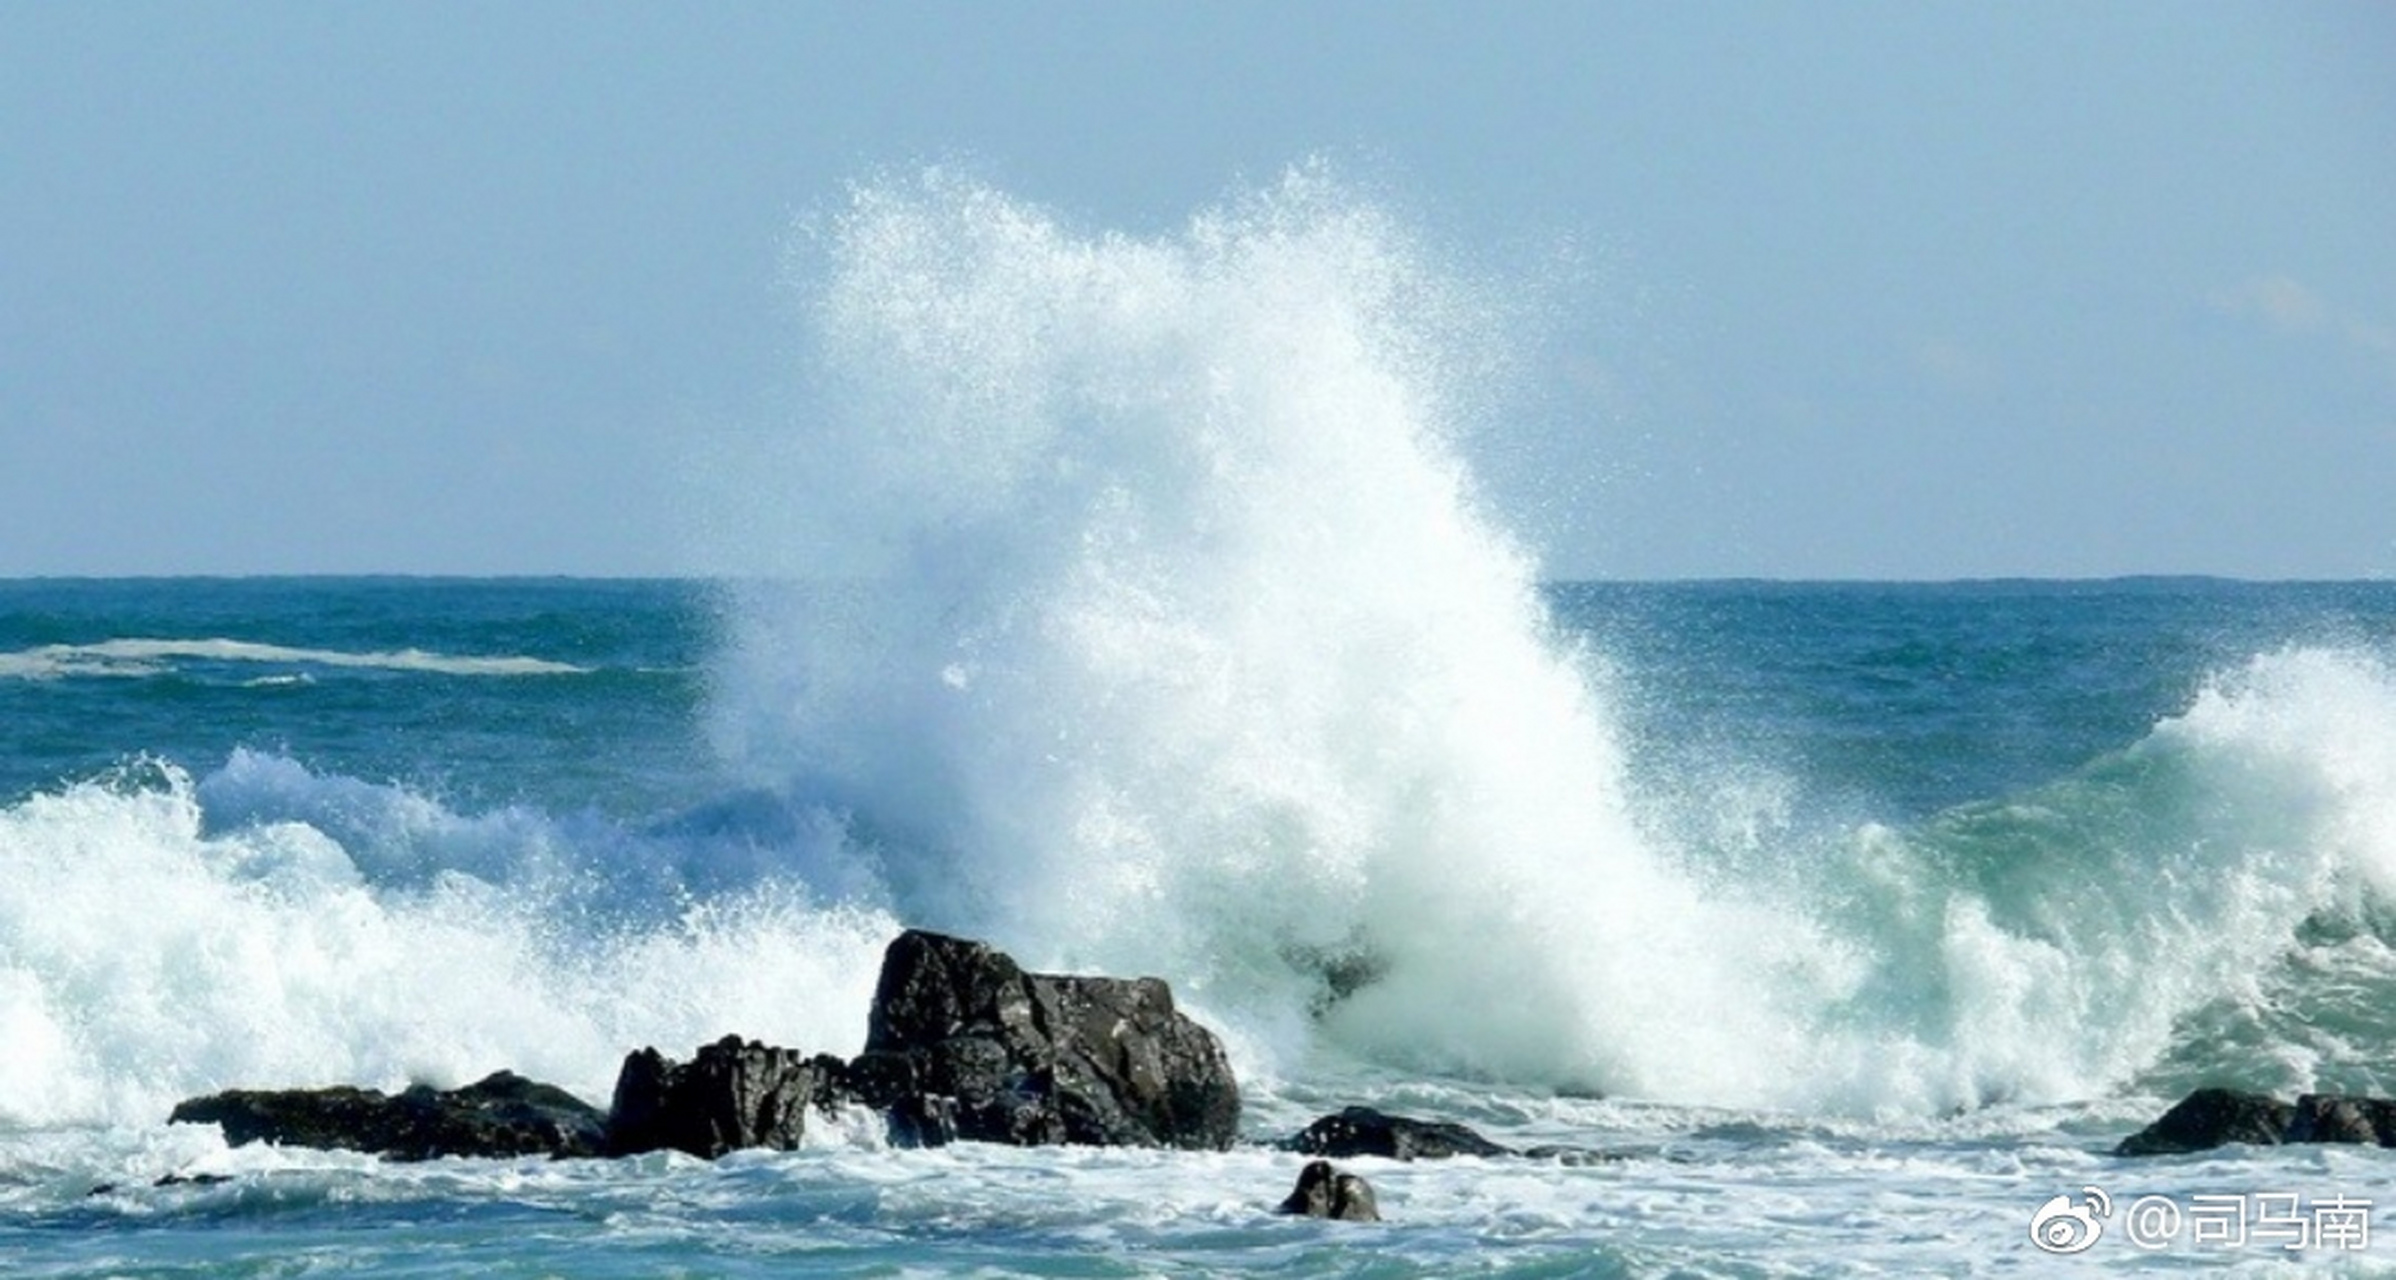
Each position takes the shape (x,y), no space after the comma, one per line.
(962,1039)
(733,1094)
(503,1114)
(962,1043)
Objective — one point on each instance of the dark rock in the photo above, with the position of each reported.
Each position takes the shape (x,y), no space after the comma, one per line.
(733,1094)
(193,1180)
(2209,1118)
(1325,1192)
(2323,1117)
(891,1084)
(502,1115)
(933,987)
(1363,1131)
(963,1043)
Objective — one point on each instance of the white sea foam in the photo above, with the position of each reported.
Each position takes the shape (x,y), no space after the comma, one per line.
(146,956)
(135,657)
(1200,657)
(1191,652)
(271,926)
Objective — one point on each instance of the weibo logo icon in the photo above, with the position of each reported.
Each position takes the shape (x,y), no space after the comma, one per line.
(2062,1226)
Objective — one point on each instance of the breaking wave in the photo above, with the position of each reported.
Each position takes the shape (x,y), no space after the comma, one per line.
(1188,647)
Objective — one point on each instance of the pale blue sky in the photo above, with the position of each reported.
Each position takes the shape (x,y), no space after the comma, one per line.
(1872,290)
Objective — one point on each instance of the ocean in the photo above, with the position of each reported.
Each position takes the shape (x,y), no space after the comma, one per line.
(1907,902)
(1129,603)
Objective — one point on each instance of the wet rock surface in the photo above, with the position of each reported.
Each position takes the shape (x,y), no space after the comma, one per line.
(962,1044)
(1364,1131)
(1324,1191)
(502,1114)
(2212,1117)
(731,1095)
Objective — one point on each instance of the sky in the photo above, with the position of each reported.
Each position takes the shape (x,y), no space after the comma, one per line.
(1861,290)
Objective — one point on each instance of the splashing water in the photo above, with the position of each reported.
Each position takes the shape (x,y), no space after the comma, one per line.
(145,957)
(1188,649)
(1169,636)
(1195,653)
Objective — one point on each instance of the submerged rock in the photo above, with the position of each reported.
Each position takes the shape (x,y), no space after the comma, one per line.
(732,1094)
(962,1042)
(502,1114)
(1363,1131)
(1339,972)
(1326,1192)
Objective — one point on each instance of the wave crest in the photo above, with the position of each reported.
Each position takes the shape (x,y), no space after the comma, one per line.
(135,657)
(161,938)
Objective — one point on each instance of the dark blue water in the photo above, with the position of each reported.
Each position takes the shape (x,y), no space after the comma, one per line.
(1898,700)
(619,734)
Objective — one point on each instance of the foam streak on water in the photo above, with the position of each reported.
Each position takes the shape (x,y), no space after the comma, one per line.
(135,656)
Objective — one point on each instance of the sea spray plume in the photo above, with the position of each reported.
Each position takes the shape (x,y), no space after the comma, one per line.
(1188,650)
(1191,650)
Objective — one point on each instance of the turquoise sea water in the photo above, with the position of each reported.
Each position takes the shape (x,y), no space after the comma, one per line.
(1906,902)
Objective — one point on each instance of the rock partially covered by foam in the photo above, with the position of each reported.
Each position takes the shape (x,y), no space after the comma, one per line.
(1326,1192)
(963,1042)
(503,1115)
(731,1095)
(1363,1131)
